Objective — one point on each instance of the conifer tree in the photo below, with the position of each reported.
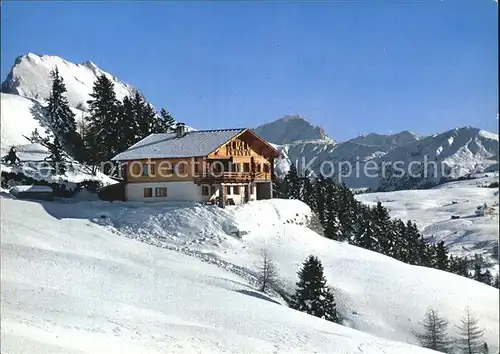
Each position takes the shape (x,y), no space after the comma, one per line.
(382,229)
(307,193)
(167,120)
(364,232)
(127,127)
(496,282)
(60,116)
(11,157)
(293,183)
(434,335)
(441,256)
(312,294)
(470,335)
(319,192)
(102,141)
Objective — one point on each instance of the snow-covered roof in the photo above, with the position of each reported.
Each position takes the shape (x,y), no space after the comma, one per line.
(29,188)
(167,145)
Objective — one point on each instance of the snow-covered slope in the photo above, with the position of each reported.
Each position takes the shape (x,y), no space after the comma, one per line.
(432,210)
(70,286)
(291,128)
(375,294)
(19,117)
(30,77)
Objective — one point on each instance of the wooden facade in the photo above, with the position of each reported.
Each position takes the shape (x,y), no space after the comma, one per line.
(236,169)
(240,160)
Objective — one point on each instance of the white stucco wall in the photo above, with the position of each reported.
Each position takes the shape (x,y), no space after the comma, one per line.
(183,191)
(180,191)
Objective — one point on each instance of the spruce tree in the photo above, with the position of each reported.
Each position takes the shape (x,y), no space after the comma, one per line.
(364,231)
(478,274)
(470,335)
(434,335)
(101,141)
(307,194)
(312,294)
(127,127)
(168,121)
(382,229)
(441,260)
(11,157)
(496,282)
(60,116)
(293,183)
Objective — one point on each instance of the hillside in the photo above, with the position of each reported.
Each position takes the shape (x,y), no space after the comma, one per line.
(432,211)
(69,285)
(374,292)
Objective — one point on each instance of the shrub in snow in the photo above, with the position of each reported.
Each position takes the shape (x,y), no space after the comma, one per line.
(434,335)
(312,294)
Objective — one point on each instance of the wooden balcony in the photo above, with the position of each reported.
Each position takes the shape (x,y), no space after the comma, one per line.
(210,177)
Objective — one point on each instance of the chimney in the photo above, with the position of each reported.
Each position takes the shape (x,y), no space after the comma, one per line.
(180,130)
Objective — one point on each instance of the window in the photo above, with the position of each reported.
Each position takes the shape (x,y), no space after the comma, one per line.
(228,190)
(148,192)
(246,167)
(161,192)
(236,190)
(212,190)
(204,190)
(266,168)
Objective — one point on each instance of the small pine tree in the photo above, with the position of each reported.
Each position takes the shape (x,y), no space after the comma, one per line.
(470,335)
(267,272)
(496,282)
(485,349)
(11,157)
(434,335)
(312,294)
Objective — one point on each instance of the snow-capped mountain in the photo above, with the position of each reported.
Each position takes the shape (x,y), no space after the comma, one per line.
(290,129)
(459,151)
(30,77)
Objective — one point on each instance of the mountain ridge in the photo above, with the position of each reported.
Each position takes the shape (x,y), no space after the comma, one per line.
(295,136)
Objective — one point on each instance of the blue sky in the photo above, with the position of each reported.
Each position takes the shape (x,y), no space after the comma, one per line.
(349,67)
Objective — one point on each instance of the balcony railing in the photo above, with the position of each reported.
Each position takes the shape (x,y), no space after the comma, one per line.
(228,177)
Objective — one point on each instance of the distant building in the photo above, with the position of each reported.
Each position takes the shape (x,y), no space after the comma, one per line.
(226,166)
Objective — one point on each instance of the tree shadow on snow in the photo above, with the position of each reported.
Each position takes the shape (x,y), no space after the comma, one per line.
(257,295)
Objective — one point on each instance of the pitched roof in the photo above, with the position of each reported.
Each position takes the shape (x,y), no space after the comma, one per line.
(167,145)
